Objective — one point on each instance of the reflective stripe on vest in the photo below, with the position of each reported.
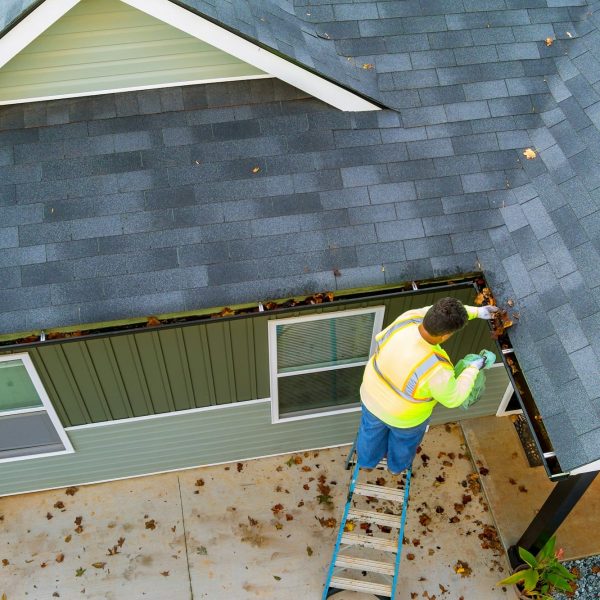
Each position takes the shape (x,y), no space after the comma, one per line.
(422,368)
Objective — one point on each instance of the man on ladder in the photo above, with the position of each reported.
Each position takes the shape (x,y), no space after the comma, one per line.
(405,378)
(408,373)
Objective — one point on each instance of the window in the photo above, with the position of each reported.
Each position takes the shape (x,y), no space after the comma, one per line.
(29,426)
(317,361)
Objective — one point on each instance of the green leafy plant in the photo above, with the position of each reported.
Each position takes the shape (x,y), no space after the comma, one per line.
(543,573)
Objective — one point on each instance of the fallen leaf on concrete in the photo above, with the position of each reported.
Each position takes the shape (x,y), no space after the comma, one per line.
(44,565)
(199,482)
(49,516)
(329,522)
(151,524)
(309,550)
(276,510)
(68,538)
(523,489)
(350,526)
(99,565)
(60,557)
(454,520)
(289,517)
(410,556)
(112,551)
(120,542)
(5,562)
(71,491)
(59,504)
(240,466)
(79,572)
(424,519)
(483,470)
(278,526)
(306,486)
(276,578)
(164,573)
(462,568)
(529,153)
(439,510)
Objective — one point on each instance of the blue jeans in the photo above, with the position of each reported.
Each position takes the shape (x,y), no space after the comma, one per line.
(376,440)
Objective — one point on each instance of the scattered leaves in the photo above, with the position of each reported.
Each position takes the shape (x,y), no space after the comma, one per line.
(199,482)
(256,169)
(164,573)
(60,557)
(289,517)
(485,298)
(276,510)
(151,524)
(79,572)
(120,542)
(350,526)
(112,551)
(367,66)
(71,491)
(276,578)
(410,556)
(549,41)
(99,565)
(152,322)
(424,519)
(202,551)
(43,565)
(309,550)
(529,153)
(49,516)
(483,470)
(523,489)
(68,538)
(240,466)
(5,562)
(59,504)
(78,525)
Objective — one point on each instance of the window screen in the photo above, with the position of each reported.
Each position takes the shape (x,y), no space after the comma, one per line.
(16,389)
(319,360)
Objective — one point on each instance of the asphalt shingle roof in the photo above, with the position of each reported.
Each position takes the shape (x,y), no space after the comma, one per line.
(150,202)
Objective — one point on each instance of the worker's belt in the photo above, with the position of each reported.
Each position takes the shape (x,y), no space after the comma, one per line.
(421,369)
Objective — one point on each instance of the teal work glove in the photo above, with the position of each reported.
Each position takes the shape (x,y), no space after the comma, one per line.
(487,312)
(484,360)
(489,359)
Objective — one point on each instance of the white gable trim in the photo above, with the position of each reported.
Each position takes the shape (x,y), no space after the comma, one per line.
(31,26)
(51,10)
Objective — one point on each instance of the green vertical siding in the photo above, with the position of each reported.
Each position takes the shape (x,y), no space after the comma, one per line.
(153,371)
(178,441)
(104,45)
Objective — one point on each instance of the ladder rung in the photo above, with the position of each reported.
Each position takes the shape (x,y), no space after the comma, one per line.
(378,491)
(374,517)
(359,539)
(378,589)
(362,564)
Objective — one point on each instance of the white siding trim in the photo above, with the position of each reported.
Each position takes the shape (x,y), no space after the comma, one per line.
(47,407)
(264,60)
(593,466)
(23,33)
(189,411)
(228,462)
(135,88)
(502,412)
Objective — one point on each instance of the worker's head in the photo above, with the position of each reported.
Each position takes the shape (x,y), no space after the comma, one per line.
(445,317)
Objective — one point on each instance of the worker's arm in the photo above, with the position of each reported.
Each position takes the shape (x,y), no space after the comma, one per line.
(449,390)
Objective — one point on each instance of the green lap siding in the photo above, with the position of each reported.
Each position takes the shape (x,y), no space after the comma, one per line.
(179,441)
(102,45)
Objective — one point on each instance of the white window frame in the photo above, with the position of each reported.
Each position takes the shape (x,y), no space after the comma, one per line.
(378,311)
(46,407)
(185,20)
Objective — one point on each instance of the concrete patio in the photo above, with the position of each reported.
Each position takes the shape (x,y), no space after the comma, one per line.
(247,530)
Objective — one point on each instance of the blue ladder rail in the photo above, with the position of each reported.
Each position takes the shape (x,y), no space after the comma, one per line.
(330,589)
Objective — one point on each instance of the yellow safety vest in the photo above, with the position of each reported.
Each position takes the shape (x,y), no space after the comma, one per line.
(403,361)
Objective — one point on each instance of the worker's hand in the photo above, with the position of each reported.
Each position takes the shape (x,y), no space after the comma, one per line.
(489,357)
(479,363)
(487,312)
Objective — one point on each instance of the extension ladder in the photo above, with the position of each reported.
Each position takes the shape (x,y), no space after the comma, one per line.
(390,517)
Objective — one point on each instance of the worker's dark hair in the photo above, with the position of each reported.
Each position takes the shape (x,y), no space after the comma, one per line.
(447,315)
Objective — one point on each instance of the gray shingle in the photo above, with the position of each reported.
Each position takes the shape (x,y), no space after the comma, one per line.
(400,230)
(548,288)
(518,276)
(567,327)
(585,363)
(427,247)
